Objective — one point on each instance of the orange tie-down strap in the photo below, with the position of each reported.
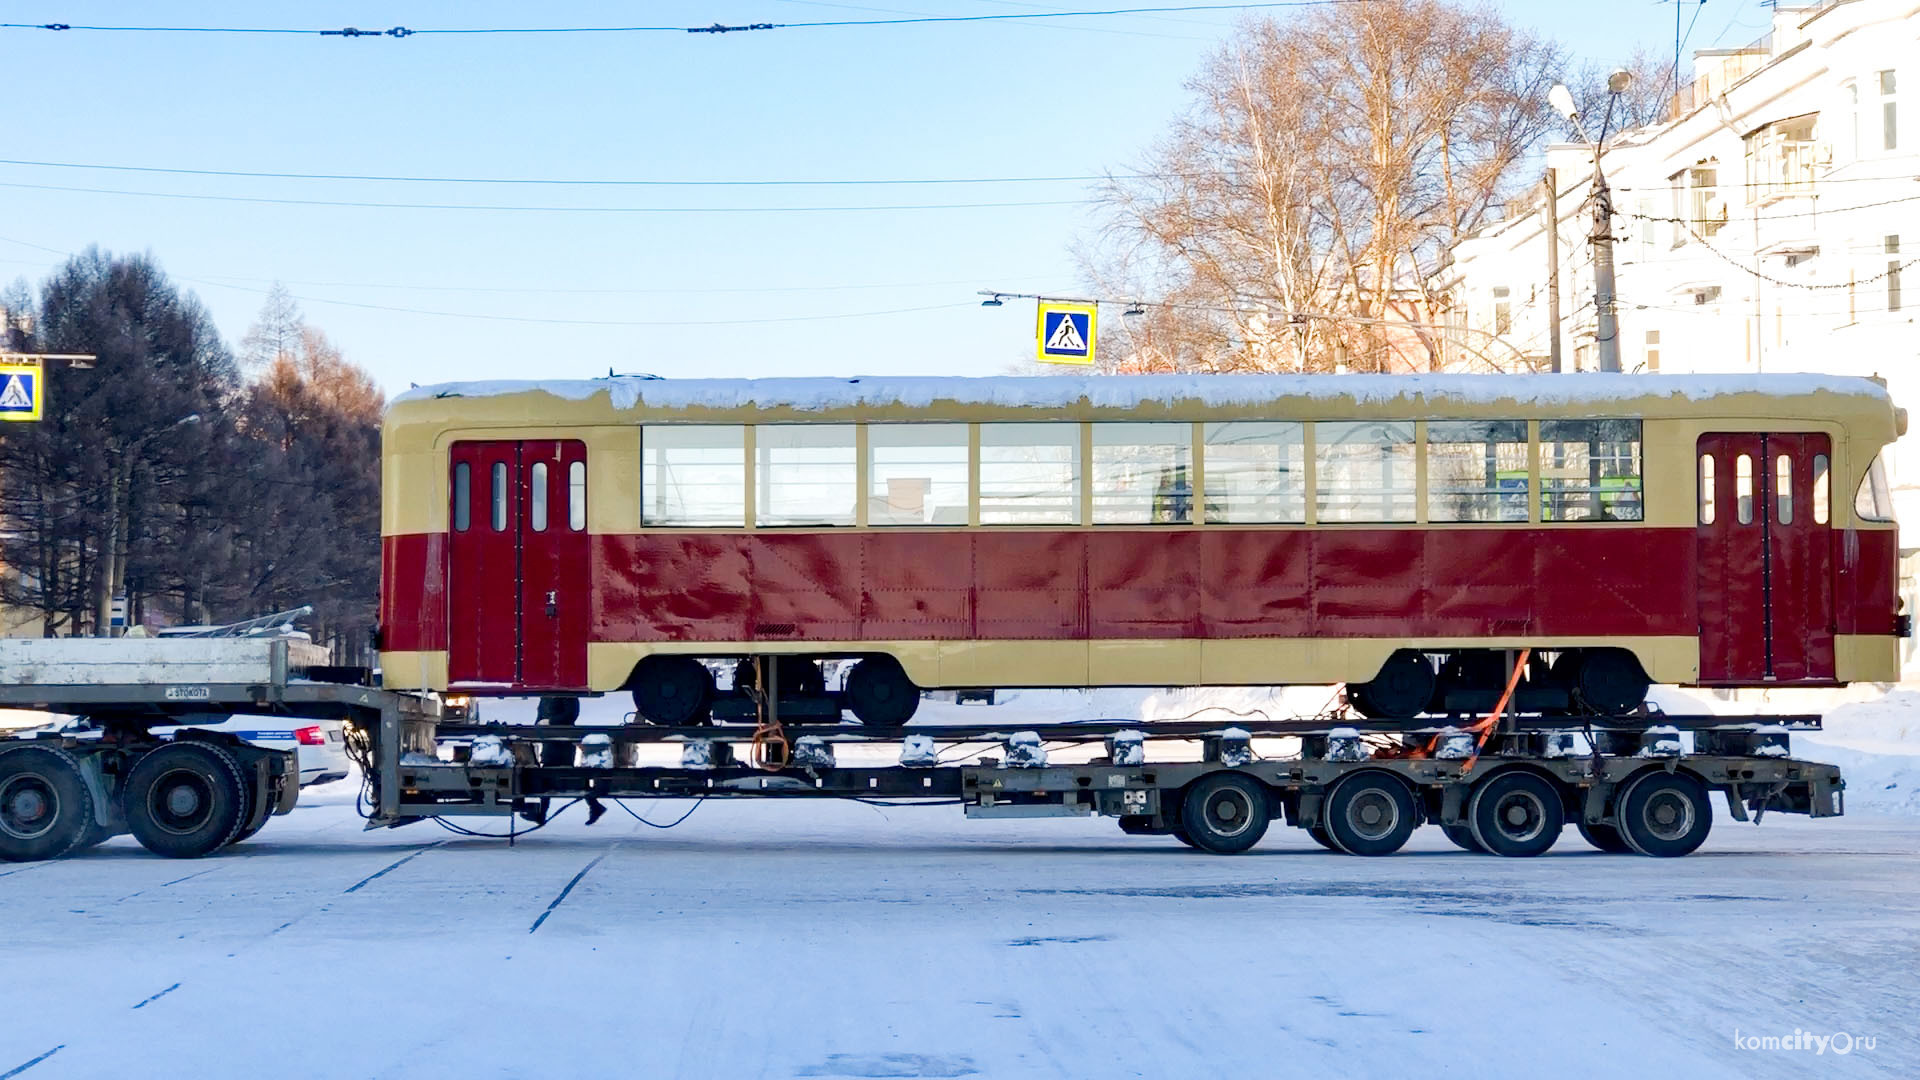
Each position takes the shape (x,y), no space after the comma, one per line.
(1482,728)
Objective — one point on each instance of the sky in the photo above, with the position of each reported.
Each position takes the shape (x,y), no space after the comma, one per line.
(733,279)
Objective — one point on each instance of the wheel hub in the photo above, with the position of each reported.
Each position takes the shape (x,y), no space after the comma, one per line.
(1668,816)
(1372,815)
(28,807)
(1520,816)
(180,802)
(1228,814)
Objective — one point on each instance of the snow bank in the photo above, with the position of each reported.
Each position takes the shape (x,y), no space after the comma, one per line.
(1128,391)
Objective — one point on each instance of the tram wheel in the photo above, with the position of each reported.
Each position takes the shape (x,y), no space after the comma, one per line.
(1401,691)
(1225,813)
(1606,838)
(1666,814)
(46,810)
(1370,813)
(880,694)
(185,799)
(1516,814)
(1610,681)
(671,690)
(1462,837)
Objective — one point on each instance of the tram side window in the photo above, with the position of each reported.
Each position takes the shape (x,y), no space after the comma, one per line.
(499,496)
(1256,472)
(693,474)
(1364,470)
(577,496)
(1822,490)
(462,497)
(1142,474)
(1477,470)
(537,497)
(1874,501)
(1029,474)
(1590,470)
(805,474)
(917,474)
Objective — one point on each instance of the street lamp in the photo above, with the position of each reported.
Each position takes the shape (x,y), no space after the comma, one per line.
(1606,329)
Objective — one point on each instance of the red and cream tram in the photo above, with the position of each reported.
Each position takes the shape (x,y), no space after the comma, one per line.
(1402,535)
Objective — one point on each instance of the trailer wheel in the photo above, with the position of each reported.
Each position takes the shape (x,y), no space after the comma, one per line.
(1666,814)
(1319,834)
(1180,833)
(1225,813)
(185,799)
(880,694)
(1370,813)
(671,690)
(1516,814)
(1606,838)
(1462,837)
(45,808)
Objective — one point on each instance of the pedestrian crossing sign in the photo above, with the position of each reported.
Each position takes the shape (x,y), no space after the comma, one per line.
(20,390)
(1066,333)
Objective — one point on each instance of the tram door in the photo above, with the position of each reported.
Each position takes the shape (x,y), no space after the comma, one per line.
(1765,557)
(518,560)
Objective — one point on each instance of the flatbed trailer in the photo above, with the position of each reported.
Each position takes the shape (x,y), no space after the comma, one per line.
(1624,783)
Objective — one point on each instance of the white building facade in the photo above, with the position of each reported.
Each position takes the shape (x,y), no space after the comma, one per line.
(1770,223)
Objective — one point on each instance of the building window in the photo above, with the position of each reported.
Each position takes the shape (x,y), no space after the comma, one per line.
(1853,121)
(537,497)
(804,474)
(1590,470)
(1502,310)
(577,496)
(1477,470)
(462,497)
(1029,474)
(1889,112)
(1142,474)
(1704,208)
(693,474)
(1893,272)
(917,474)
(1364,471)
(1256,472)
(1653,350)
(1781,158)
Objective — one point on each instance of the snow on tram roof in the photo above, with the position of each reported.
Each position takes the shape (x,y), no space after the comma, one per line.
(1128,391)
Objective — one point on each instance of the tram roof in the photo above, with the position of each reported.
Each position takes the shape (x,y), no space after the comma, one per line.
(1149,397)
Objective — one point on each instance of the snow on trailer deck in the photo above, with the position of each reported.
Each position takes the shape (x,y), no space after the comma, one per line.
(845,940)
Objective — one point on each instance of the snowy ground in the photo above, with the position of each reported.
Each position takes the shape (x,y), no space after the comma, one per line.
(844,940)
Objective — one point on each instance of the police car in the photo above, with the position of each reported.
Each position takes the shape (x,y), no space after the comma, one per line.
(319,745)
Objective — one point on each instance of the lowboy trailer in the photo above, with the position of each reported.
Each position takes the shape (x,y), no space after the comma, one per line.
(1625,785)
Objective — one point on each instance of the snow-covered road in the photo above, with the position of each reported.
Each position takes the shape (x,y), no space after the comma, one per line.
(843,940)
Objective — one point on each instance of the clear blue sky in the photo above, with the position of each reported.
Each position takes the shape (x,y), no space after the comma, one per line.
(1065,97)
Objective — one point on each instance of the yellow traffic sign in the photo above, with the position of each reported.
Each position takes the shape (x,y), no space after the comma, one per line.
(22,388)
(1065,332)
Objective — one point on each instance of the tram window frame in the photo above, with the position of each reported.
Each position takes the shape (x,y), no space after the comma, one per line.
(577,496)
(906,489)
(537,488)
(1822,489)
(1743,489)
(462,496)
(499,497)
(1502,450)
(1125,454)
(1708,504)
(826,456)
(720,501)
(997,439)
(1254,488)
(1578,490)
(1343,491)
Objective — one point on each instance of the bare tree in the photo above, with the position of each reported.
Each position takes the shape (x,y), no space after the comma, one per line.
(275,334)
(1292,220)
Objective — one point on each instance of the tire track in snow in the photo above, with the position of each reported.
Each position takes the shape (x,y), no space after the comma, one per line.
(24,1066)
(595,861)
(390,868)
(158,996)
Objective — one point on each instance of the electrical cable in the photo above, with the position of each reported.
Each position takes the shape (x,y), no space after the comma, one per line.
(622,803)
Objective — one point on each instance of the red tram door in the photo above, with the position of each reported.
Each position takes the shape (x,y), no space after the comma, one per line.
(518,564)
(1765,558)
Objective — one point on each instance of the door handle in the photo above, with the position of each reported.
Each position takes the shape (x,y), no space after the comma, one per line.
(553,604)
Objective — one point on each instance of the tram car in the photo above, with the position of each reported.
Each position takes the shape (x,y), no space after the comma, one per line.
(1403,536)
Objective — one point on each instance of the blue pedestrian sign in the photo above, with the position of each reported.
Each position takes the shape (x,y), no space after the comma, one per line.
(1066,333)
(20,389)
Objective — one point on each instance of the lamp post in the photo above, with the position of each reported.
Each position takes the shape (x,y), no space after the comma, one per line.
(1606,330)
(112,567)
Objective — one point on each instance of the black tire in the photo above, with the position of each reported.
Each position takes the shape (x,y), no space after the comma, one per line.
(880,694)
(97,834)
(1516,814)
(671,691)
(1225,813)
(1462,837)
(557,710)
(1371,813)
(1401,691)
(1319,834)
(186,799)
(1610,681)
(1606,838)
(46,810)
(1666,815)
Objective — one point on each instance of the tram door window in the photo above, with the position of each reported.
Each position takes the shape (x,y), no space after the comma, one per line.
(1765,581)
(517,579)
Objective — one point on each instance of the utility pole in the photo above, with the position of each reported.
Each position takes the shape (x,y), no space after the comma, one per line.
(1553,271)
(1606,329)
